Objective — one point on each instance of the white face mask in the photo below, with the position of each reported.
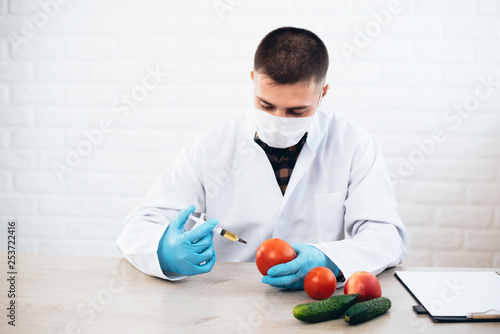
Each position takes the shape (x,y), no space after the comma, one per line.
(280,132)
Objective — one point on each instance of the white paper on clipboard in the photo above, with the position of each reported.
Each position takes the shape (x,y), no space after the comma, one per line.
(454,294)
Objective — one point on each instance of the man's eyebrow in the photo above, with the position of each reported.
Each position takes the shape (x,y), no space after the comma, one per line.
(289,108)
(264,101)
(298,107)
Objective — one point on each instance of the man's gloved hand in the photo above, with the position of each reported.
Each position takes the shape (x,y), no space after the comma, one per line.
(187,253)
(291,275)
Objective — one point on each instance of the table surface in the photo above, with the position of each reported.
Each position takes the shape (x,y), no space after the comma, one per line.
(70,294)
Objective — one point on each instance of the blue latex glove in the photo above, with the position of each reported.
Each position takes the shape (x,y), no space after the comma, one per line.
(187,253)
(291,275)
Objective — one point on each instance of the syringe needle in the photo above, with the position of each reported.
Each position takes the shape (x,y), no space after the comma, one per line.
(223,232)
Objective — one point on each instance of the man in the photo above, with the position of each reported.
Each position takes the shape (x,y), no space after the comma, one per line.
(285,170)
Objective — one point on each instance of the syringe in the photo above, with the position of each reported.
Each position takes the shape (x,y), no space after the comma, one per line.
(223,232)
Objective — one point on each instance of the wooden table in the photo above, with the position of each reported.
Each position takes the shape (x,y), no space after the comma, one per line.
(69,294)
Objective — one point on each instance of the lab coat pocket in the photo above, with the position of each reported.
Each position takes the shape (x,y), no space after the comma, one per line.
(330,215)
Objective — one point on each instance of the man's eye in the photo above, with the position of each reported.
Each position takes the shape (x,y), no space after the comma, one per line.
(267,107)
(296,113)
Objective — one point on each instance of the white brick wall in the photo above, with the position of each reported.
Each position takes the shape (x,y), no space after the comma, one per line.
(82,64)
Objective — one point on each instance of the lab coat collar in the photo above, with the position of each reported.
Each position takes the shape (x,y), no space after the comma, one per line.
(315,134)
(316,131)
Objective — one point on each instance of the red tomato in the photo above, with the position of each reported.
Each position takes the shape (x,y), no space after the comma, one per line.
(364,283)
(320,283)
(272,252)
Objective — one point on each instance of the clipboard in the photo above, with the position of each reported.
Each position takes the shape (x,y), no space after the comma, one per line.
(452,296)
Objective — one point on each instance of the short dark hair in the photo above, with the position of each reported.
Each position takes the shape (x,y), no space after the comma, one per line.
(291,55)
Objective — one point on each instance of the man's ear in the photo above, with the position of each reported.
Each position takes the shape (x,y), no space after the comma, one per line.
(325,90)
(251,75)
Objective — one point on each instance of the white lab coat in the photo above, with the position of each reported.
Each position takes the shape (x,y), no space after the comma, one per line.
(339,185)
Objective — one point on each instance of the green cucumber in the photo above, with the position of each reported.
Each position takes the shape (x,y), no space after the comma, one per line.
(367,310)
(326,309)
